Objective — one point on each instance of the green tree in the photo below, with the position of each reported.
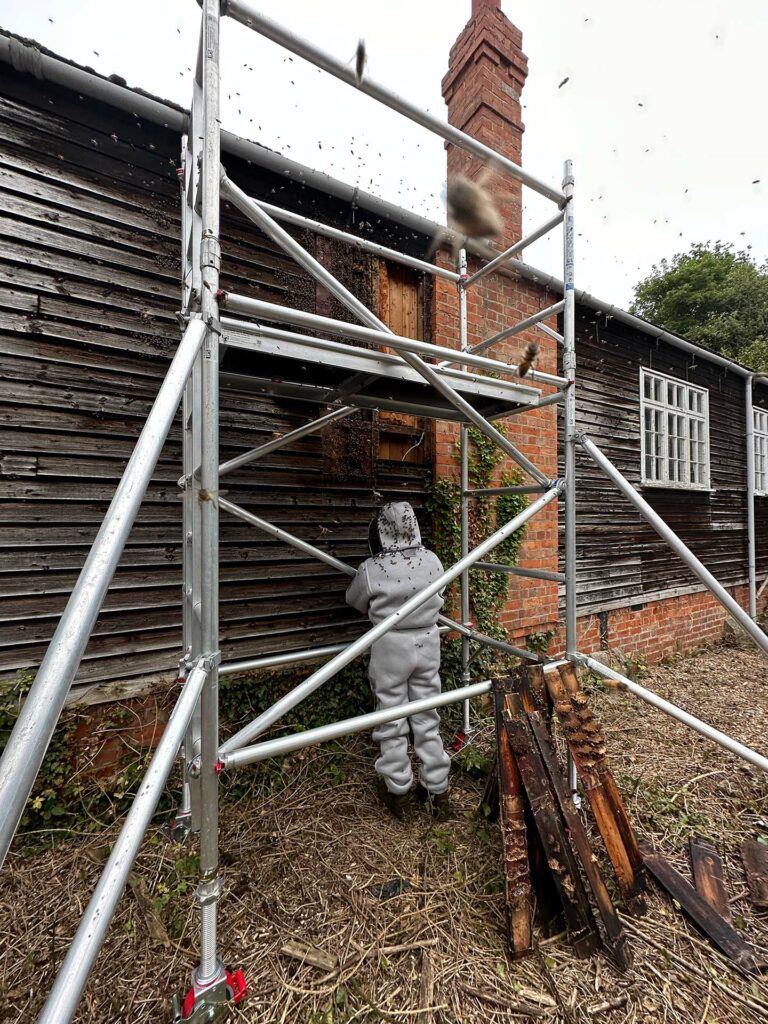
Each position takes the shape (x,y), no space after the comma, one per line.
(712,296)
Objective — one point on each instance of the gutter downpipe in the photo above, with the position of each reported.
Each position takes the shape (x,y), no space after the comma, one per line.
(749,381)
(751,557)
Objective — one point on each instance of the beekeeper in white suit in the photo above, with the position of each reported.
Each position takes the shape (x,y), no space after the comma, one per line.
(405,662)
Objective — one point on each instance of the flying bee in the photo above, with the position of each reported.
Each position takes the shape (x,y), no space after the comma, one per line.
(472,213)
(528,358)
(361,60)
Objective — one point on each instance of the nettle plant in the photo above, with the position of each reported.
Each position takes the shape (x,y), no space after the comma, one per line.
(488,591)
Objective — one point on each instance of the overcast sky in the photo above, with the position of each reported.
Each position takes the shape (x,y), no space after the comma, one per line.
(663,113)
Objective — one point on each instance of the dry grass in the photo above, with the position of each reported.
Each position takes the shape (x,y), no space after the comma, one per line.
(300,863)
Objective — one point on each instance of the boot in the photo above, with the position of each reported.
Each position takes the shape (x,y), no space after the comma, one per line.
(395,803)
(436,804)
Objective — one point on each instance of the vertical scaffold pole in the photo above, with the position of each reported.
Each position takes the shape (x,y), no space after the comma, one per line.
(751,553)
(187,817)
(569,431)
(209,977)
(464,483)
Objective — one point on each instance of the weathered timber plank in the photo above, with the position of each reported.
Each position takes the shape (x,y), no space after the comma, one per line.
(518,897)
(708,875)
(722,934)
(576,909)
(755,858)
(586,742)
(617,938)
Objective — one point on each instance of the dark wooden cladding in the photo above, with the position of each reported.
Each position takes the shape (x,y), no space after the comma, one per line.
(89,287)
(621,560)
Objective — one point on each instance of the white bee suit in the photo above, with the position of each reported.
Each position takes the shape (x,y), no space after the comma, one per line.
(405,663)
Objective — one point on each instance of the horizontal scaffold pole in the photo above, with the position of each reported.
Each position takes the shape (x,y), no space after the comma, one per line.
(476,492)
(62,1002)
(668,534)
(364,643)
(489,641)
(281,237)
(513,249)
(361,723)
(299,318)
(516,570)
(37,720)
(231,668)
(249,16)
(675,712)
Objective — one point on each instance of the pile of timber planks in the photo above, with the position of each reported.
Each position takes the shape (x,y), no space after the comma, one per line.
(549,865)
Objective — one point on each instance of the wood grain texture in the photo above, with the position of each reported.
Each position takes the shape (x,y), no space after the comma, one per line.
(708,875)
(89,287)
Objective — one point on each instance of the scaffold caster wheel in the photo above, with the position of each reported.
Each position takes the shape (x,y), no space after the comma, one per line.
(210,1006)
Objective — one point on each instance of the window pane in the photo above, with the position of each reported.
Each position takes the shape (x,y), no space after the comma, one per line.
(674,431)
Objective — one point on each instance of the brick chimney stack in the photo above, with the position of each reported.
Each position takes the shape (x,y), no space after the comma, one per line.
(486,74)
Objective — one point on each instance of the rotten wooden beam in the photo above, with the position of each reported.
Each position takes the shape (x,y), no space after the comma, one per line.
(571,682)
(517,877)
(719,931)
(755,858)
(586,743)
(708,875)
(615,934)
(533,689)
(580,923)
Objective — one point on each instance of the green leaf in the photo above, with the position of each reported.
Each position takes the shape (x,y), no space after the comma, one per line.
(501,970)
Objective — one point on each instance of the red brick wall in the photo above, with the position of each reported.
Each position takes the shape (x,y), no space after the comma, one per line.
(660,629)
(487,71)
(482,89)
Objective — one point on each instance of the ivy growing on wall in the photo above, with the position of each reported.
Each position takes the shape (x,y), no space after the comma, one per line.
(488,591)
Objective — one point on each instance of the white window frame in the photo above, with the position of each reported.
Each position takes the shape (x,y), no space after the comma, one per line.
(691,396)
(760,440)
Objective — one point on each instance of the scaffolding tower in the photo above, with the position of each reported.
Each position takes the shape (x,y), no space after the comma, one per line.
(460,384)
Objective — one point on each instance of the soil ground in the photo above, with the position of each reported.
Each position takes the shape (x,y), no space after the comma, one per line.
(303,858)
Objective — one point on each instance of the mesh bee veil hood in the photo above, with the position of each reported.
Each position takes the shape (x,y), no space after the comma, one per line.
(398,527)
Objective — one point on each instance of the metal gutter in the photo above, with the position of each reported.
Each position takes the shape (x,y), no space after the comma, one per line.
(27,56)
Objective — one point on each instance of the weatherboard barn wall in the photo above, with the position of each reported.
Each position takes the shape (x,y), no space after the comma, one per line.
(89,288)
